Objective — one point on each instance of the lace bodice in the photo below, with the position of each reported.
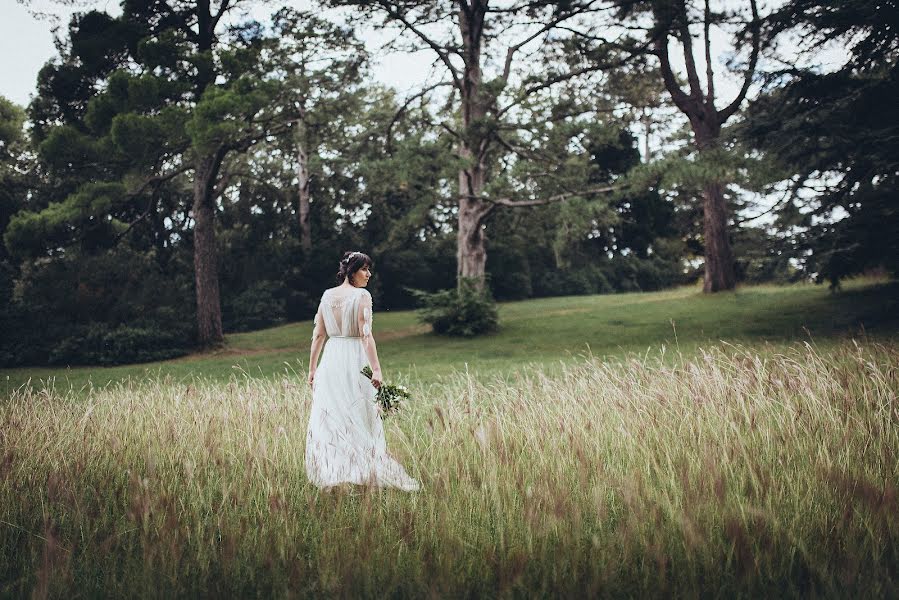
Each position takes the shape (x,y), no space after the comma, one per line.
(345,313)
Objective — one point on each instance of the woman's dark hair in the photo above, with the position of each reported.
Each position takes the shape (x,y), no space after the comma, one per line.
(350,263)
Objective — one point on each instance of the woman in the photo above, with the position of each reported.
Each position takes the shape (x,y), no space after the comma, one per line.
(345,441)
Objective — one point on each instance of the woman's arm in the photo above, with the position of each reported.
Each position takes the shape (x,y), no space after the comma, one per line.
(368,340)
(318,340)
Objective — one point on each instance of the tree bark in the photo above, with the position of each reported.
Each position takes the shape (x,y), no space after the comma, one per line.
(209,311)
(471,238)
(206,169)
(303,197)
(719,259)
(647,129)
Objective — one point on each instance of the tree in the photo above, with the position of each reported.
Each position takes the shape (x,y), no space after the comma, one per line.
(165,89)
(583,247)
(323,67)
(673,20)
(837,130)
(466,36)
(12,187)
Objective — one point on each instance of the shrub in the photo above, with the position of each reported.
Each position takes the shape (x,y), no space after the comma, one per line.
(465,311)
(117,307)
(510,273)
(576,281)
(102,344)
(255,308)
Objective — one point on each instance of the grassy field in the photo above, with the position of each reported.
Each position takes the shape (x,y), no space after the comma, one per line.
(765,465)
(540,333)
(724,474)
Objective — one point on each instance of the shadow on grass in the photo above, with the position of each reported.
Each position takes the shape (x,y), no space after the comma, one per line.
(853,312)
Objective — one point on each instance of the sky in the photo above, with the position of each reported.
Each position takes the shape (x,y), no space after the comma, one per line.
(26,43)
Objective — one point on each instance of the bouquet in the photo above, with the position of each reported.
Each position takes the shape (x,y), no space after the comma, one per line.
(389,396)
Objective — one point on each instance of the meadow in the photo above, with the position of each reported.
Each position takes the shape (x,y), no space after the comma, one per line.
(754,454)
(538,333)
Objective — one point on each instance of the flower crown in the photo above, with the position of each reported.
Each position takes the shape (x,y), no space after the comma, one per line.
(346,260)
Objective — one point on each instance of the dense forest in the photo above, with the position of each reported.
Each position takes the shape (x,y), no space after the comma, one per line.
(184,170)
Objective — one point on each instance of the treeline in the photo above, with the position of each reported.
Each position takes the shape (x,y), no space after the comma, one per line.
(182,171)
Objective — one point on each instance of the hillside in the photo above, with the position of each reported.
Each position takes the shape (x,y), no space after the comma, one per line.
(546,331)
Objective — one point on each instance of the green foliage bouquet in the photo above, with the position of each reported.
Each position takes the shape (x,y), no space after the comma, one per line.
(389,396)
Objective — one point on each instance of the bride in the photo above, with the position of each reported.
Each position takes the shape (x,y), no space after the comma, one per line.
(345,441)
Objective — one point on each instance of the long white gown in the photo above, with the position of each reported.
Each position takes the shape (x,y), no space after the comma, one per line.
(345,441)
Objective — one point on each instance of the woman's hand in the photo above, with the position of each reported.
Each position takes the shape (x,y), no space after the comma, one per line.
(311,377)
(377,378)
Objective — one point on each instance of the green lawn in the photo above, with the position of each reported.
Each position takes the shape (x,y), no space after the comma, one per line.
(545,332)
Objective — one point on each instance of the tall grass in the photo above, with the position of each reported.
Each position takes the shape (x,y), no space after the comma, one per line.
(730,472)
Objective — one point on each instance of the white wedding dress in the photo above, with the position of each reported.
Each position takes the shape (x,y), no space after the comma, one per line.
(345,441)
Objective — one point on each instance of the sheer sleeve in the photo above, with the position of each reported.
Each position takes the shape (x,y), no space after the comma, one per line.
(318,329)
(365,316)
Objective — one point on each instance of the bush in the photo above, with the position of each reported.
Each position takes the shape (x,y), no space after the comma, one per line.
(464,311)
(255,308)
(113,308)
(102,344)
(576,281)
(510,273)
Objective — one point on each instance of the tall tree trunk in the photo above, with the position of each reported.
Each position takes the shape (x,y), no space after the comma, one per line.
(471,248)
(303,198)
(206,169)
(647,129)
(471,239)
(719,260)
(209,309)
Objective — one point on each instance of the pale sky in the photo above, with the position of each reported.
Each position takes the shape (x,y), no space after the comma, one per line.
(26,44)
